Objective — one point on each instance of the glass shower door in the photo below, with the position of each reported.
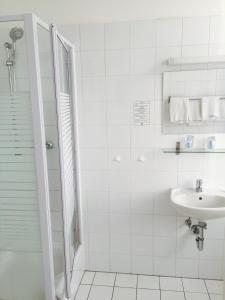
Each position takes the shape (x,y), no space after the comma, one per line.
(21,254)
(67,144)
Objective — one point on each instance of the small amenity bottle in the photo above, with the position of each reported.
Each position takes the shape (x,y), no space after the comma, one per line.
(211,143)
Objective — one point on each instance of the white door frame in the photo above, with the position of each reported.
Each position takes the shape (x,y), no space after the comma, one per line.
(32,52)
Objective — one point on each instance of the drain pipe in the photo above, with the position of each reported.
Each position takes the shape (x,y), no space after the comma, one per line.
(198,230)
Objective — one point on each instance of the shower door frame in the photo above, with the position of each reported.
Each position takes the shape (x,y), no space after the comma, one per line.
(31,23)
(72,92)
(31,41)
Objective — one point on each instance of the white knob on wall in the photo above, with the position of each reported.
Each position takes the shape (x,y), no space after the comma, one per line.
(141,158)
(117,158)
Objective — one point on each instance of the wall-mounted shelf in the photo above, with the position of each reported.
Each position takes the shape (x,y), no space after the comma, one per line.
(193,150)
(196,60)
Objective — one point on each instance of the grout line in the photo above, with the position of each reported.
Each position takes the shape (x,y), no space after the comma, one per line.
(207,289)
(114,286)
(137,287)
(183,289)
(160,291)
(91,286)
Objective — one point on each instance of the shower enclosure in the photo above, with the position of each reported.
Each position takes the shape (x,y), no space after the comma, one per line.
(40,237)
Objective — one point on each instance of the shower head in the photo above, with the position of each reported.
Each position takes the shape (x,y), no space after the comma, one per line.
(16,33)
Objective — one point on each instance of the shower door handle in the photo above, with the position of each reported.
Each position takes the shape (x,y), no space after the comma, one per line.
(49,145)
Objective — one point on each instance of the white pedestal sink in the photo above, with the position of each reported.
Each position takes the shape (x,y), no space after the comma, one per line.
(209,204)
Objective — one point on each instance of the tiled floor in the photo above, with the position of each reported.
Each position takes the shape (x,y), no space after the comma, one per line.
(117,286)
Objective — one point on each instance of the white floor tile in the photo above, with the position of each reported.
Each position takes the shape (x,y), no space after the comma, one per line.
(194,285)
(143,294)
(171,284)
(148,282)
(215,286)
(88,278)
(100,293)
(216,297)
(102,278)
(124,293)
(126,280)
(83,292)
(168,295)
(196,296)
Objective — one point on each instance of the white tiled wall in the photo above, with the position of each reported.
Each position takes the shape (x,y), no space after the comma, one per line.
(128,223)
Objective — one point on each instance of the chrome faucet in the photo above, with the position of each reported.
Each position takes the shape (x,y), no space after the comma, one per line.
(199,184)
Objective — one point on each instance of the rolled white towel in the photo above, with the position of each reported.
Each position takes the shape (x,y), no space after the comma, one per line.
(210,108)
(195,112)
(179,110)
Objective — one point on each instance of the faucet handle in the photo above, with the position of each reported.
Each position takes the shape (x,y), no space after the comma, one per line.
(199,181)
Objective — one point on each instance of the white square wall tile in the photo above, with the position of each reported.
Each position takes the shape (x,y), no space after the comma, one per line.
(120,244)
(168,295)
(210,269)
(165,226)
(98,261)
(107,279)
(96,201)
(119,136)
(215,286)
(142,245)
(143,34)
(169,32)
(148,282)
(196,296)
(119,181)
(164,246)
(143,61)
(98,242)
(101,293)
(88,278)
(217,29)
(141,224)
(196,30)
(118,62)
(144,294)
(171,284)
(119,202)
(94,89)
(120,263)
(187,268)
(92,36)
(126,280)
(142,264)
(119,113)
(194,285)
(124,293)
(164,266)
(93,63)
(120,223)
(117,35)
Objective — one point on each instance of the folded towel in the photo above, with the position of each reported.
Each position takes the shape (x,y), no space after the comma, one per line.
(179,109)
(195,112)
(210,108)
(222,109)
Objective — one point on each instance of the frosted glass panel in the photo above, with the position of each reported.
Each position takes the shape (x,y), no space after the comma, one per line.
(21,266)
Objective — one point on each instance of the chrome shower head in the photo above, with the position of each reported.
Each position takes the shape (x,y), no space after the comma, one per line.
(16,33)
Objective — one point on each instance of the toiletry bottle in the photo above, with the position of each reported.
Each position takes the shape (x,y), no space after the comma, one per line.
(211,143)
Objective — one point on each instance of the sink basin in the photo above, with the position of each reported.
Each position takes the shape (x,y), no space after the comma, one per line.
(209,204)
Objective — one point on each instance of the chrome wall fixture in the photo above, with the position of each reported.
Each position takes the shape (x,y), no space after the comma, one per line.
(15,34)
(198,230)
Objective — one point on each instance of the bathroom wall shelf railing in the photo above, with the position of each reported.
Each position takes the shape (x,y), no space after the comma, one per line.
(193,150)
